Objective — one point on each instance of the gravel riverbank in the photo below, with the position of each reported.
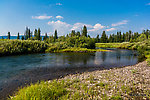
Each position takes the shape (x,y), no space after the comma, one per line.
(130,82)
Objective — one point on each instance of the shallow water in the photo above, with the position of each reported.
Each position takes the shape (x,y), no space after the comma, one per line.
(15,65)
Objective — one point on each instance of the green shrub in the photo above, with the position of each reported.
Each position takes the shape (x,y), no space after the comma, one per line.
(10,47)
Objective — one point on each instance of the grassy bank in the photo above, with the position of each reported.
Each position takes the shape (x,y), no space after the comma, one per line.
(77,50)
(17,47)
(131,82)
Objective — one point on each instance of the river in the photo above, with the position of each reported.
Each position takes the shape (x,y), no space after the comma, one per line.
(33,67)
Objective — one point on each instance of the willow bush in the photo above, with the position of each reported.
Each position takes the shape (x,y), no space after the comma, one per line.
(10,47)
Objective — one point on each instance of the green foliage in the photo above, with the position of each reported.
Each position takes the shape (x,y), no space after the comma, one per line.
(27,33)
(116,98)
(41,91)
(55,35)
(18,37)
(39,34)
(10,47)
(104,38)
(141,38)
(8,37)
(84,31)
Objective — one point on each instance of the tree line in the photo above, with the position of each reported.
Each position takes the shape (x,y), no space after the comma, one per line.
(112,38)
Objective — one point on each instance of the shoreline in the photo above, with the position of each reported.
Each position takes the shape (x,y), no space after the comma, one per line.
(79,73)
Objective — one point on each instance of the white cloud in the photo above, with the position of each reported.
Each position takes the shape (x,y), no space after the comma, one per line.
(58,4)
(78,26)
(62,27)
(111,29)
(42,17)
(97,27)
(59,17)
(120,23)
(148,4)
(65,28)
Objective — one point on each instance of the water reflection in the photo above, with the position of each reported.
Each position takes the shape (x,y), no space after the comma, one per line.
(103,56)
(14,65)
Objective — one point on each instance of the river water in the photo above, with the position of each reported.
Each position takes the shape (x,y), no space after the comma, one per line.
(15,67)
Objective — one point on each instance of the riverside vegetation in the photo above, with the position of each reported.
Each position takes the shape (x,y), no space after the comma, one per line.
(74,42)
(77,88)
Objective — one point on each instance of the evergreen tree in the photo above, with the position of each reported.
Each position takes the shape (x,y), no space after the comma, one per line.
(67,36)
(78,33)
(35,34)
(73,33)
(8,37)
(104,37)
(45,37)
(26,34)
(130,34)
(55,35)
(29,34)
(22,38)
(110,39)
(97,39)
(84,31)
(123,37)
(127,37)
(89,36)
(39,34)
(147,33)
(113,38)
(18,37)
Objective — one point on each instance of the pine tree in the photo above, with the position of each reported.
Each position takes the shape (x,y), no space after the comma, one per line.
(113,38)
(127,37)
(22,38)
(147,33)
(104,37)
(97,39)
(39,34)
(8,37)
(55,35)
(26,33)
(35,34)
(123,37)
(130,34)
(84,31)
(78,33)
(110,39)
(45,37)
(29,34)
(73,33)
(18,37)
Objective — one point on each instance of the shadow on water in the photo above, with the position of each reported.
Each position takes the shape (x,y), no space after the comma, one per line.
(19,71)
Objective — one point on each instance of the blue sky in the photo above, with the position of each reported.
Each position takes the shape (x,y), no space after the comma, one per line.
(65,15)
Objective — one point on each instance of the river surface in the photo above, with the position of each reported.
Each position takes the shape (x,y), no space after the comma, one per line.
(12,66)
(21,70)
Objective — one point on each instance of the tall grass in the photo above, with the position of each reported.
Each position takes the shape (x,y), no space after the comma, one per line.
(10,47)
(41,91)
